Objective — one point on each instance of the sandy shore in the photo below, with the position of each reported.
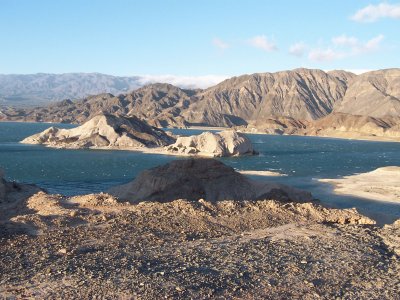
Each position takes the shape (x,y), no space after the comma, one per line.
(382,184)
(260,173)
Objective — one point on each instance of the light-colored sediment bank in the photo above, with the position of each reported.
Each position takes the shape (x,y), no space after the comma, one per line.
(261,173)
(382,184)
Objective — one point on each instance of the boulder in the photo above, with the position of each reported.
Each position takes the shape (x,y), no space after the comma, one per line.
(104,130)
(202,178)
(225,143)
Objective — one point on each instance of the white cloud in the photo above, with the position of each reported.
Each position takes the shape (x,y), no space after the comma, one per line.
(220,44)
(297,49)
(325,54)
(372,13)
(345,46)
(188,82)
(374,43)
(344,40)
(262,42)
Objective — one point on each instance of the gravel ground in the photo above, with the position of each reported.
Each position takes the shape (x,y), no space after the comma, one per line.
(93,247)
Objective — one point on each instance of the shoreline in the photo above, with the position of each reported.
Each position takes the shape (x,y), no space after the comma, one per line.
(205,128)
(261,173)
(361,138)
(379,185)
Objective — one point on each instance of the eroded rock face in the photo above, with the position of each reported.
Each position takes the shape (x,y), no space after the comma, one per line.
(2,186)
(225,143)
(208,179)
(104,130)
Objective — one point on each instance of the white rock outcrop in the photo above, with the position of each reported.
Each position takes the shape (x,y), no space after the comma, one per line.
(225,143)
(102,131)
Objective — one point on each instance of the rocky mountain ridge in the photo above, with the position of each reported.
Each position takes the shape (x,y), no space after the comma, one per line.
(278,102)
(42,88)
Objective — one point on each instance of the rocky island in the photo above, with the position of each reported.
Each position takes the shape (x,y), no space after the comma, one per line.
(103,131)
(107,131)
(225,143)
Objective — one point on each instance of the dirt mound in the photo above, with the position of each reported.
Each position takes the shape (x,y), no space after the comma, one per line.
(195,179)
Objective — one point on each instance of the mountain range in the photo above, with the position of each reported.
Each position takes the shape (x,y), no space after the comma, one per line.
(42,88)
(297,97)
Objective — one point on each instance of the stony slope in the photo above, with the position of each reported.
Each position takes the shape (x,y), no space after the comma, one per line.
(93,246)
(300,94)
(375,94)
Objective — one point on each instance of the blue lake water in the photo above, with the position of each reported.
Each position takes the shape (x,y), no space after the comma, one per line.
(303,159)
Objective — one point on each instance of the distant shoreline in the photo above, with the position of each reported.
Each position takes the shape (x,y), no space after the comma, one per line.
(205,128)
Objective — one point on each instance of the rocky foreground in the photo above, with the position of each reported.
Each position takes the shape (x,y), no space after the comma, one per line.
(97,246)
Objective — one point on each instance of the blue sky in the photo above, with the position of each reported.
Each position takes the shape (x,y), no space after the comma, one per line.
(196,38)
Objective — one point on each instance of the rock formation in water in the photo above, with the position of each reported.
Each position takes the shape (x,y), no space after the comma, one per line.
(201,178)
(104,131)
(225,143)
